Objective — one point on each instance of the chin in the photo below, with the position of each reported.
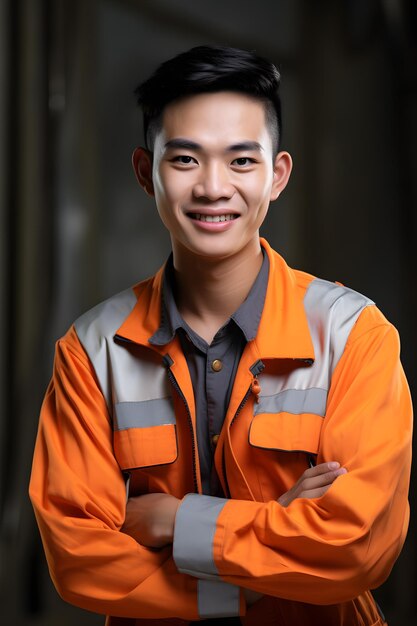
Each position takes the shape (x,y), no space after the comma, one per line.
(215,250)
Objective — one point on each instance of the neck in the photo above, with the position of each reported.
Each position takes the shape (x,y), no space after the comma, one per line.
(209,291)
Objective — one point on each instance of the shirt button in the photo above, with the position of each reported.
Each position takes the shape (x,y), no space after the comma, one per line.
(217,365)
(215,439)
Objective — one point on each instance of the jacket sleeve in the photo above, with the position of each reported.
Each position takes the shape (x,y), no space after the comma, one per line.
(79,496)
(329,549)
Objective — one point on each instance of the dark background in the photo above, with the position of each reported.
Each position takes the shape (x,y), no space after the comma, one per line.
(75,228)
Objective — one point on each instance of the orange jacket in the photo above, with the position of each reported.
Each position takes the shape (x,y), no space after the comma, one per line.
(119,415)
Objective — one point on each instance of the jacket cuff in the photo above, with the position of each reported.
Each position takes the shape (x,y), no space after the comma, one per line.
(217,599)
(195,527)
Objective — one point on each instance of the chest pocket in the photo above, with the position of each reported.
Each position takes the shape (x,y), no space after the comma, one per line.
(290,421)
(145,433)
(286,432)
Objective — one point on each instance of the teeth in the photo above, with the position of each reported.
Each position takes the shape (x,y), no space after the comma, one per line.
(214,218)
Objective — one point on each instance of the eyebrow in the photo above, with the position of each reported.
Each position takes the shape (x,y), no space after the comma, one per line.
(188,144)
(185,144)
(245,146)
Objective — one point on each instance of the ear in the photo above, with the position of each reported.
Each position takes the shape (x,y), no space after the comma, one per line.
(282,172)
(142,166)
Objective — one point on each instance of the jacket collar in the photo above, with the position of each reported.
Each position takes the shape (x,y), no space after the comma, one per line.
(246,317)
(145,317)
(283,331)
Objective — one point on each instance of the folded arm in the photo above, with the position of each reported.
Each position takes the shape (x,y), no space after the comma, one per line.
(150,519)
(79,496)
(331,548)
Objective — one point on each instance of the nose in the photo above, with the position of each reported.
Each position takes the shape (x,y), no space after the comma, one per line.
(213,183)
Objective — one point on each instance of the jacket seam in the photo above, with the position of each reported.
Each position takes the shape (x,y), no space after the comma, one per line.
(350,342)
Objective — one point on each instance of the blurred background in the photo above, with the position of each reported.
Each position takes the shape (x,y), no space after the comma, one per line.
(75,228)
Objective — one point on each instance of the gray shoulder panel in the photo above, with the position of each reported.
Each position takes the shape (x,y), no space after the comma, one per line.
(95,330)
(126,379)
(330,293)
(332,311)
(104,319)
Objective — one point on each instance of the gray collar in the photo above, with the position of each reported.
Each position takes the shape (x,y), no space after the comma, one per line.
(246,317)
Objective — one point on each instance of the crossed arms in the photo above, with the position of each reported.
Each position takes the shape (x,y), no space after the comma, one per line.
(353,530)
(150,519)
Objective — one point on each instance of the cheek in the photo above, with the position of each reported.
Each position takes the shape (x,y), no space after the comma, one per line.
(258,193)
(169,188)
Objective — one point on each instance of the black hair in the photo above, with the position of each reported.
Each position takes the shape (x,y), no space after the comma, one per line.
(209,69)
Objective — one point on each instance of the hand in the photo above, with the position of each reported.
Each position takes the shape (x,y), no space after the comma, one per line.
(313,483)
(150,519)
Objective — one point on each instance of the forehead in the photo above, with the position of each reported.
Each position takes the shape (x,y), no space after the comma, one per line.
(213,118)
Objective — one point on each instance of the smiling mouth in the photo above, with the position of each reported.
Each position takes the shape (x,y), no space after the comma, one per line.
(227,217)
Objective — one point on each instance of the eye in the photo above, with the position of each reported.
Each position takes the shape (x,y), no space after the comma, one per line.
(243,161)
(184,159)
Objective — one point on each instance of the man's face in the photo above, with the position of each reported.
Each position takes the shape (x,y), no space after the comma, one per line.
(213,173)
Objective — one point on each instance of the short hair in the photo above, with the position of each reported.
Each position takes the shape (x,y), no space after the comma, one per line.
(210,69)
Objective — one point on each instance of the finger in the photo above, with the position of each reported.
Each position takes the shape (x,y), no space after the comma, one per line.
(315,493)
(321,468)
(319,491)
(322,479)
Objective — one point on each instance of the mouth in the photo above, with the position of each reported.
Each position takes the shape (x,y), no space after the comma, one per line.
(225,217)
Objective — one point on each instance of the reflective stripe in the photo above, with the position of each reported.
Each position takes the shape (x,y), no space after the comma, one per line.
(124,374)
(296,401)
(217,599)
(331,312)
(105,318)
(94,329)
(195,526)
(143,414)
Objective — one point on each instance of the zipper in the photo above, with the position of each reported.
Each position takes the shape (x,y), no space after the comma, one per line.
(242,404)
(238,410)
(255,369)
(168,362)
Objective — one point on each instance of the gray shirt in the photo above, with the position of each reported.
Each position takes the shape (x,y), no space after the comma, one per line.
(212,366)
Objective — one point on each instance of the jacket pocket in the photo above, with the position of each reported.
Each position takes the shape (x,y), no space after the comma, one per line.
(287,432)
(145,433)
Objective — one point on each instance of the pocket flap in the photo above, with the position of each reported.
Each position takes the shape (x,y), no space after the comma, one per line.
(286,431)
(145,447)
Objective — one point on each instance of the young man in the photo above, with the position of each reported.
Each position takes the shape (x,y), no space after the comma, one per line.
(230,437)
